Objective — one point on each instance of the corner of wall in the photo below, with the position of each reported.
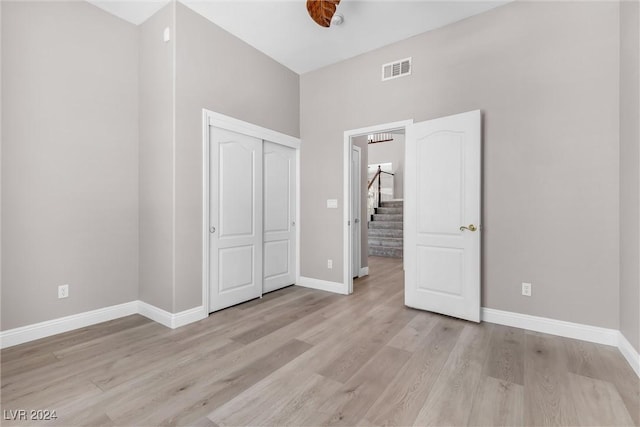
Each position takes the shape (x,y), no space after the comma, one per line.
(629,140)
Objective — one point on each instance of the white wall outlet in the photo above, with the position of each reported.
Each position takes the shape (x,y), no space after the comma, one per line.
(63,291)
(526,289)
(329,263)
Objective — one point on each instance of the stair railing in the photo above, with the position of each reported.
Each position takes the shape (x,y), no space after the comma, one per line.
(378,176)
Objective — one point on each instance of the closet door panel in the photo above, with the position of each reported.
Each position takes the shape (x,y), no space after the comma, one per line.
(236,233)
(279,216)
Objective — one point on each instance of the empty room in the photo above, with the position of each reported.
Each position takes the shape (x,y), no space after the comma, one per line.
(320,212)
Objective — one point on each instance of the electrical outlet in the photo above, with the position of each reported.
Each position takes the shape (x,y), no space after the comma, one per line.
(63,291)
(526,289)
(329,263)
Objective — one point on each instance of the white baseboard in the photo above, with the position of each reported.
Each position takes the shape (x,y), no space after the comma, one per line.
(36,331)
(171,320)
(629,353)
(552,326)
(364,271)
(16,336)
(188,316)
(323,285)
(154,313)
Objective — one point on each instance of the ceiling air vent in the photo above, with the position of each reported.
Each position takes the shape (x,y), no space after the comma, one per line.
(396,69)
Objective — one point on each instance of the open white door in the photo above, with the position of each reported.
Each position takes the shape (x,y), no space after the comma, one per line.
(442,215)
(236,218)
(356,154)
(279,216)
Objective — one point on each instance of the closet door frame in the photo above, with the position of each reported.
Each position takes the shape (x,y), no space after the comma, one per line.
(211,119)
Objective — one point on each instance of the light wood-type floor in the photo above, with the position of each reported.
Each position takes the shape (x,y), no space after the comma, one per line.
(305,357)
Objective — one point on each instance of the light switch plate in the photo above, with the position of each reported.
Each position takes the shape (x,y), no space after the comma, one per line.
(332,203)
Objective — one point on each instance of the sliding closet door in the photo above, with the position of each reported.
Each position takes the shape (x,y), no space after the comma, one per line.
(236,218)
(279,216)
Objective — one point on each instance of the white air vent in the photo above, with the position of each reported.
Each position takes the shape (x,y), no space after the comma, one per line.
(396,69)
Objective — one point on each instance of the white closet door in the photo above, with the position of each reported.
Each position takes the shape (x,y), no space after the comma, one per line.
(235,218)
(279,216)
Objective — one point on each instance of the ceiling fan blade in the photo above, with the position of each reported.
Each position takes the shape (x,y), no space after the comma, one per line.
(322,11)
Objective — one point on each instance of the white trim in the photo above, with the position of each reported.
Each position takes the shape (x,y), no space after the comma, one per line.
(364,271)
(186,317)
(323,285)
(205,209)
(297,219)
(229,123)
(347,278)
(36,331)
(552,326)
(154,313)
(209,119)
(629,353)
(358,228)
(12,337)
(24,334)
(171,320)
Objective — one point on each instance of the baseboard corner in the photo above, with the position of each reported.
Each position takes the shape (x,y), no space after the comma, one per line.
(171,320)
(629,352)
(191,315)
(322,285)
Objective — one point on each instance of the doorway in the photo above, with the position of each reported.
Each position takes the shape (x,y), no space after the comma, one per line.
(442,217)
(359,200)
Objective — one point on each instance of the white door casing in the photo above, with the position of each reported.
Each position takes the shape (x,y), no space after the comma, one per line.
(346,287)
(442,195)
(235,218)
(279,216)
(356,162)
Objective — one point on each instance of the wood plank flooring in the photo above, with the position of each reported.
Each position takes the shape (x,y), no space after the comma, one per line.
(302,357)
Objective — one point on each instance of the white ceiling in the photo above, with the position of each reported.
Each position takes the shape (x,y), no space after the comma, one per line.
(283,30)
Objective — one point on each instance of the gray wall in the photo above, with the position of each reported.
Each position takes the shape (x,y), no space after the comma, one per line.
(217,71)
(391,152)
(546,76)
(629,173)
(70,160)
(156,159)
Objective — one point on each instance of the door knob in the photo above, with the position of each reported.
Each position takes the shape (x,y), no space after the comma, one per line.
(356,220)
(471,227)
(212,230)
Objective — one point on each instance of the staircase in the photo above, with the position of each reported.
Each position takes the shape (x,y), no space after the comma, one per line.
(385,230)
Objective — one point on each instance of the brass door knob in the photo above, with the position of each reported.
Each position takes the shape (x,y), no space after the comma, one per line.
(471,227)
